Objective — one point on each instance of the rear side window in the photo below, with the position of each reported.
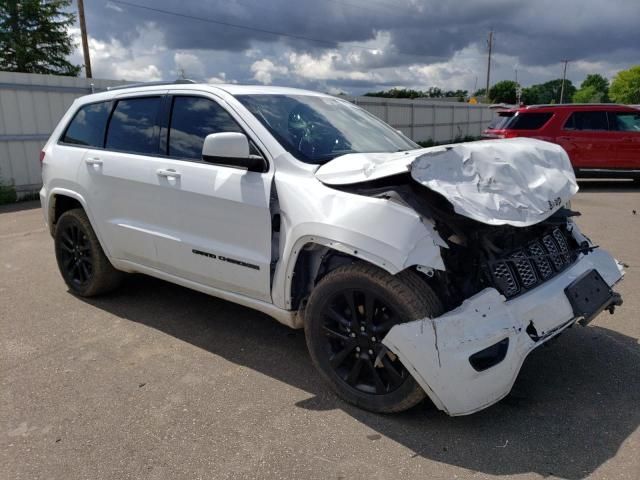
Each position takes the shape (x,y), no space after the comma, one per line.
(625,122)
(529,120)
(192,119)
(88,124)
(133,126)
(587,121)
(500,121)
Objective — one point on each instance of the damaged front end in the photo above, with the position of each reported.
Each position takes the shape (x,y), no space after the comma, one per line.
(506,298)
(518,271)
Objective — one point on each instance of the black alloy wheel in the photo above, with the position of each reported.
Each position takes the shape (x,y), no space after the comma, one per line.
(355,321)
(76,257)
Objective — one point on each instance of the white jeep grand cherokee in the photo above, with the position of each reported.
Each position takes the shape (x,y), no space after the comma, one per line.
(414,271)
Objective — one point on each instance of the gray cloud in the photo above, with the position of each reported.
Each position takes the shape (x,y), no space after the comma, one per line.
(535,34)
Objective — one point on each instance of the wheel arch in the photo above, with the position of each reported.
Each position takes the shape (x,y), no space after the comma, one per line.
(60,200)
(314,257)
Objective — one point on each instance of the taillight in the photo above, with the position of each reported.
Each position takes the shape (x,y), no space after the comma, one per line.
(41,157)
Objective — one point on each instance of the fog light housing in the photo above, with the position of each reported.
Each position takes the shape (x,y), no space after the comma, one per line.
(490,356)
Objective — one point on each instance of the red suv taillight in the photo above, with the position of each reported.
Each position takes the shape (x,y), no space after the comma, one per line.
(41,157)
(510,134)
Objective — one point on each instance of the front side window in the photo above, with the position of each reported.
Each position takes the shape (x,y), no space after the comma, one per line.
(587,121)
(133,127)
(529,121)
(87,126)
(317,129)
(192,119)
(626,122)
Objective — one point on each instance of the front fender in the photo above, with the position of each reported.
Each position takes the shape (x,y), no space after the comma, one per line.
(415,246)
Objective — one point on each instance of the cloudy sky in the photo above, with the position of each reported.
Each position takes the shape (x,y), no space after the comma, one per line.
(355,46)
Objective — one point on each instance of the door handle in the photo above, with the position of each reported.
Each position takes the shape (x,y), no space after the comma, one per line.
(168,173)
(93,161)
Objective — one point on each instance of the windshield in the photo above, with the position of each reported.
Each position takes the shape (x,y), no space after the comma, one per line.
(317,129)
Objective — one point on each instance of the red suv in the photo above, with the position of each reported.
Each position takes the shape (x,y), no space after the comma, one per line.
(601,140)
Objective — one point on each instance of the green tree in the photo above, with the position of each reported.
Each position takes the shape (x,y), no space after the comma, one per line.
(479,93)
(589,94)
(548,92)
(34,38)
(625,87)
(593,89)
(431,92)
(597,81)
(503,92)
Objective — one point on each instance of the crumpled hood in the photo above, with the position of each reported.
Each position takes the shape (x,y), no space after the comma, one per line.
(518,181)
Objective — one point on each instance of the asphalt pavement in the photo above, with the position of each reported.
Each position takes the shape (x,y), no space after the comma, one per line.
(159,382)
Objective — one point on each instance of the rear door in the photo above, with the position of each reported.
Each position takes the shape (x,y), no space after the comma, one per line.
(586,138)
(119,179)
(626,126)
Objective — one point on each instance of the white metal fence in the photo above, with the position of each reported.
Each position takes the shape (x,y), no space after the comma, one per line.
(423,120)
(31,106)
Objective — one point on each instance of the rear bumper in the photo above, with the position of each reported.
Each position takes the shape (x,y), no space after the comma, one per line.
(437,351)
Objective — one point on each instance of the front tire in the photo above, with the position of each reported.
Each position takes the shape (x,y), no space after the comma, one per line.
(81,260)
(348,314)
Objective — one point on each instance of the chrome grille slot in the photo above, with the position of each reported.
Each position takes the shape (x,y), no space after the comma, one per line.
(552,248)
(562,243)
(504,279)
(542,263)
(525,269)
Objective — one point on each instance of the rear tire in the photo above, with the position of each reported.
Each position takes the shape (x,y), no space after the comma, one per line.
(348,314)
(81,260)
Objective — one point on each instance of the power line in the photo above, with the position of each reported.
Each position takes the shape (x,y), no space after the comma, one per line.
(236,25)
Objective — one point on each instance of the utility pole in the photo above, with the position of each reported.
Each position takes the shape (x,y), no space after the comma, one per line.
(85,43)
(518,88)
(490,43)
(564,76)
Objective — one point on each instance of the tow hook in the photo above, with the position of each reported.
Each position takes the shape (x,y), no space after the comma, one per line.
(616,301)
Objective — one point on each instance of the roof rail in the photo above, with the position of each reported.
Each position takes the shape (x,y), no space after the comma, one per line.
(544,105)
(151,84)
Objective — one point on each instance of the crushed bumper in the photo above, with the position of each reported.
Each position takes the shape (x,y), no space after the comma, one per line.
(437,351)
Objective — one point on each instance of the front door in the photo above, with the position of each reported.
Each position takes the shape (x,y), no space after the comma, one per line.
(213,223)
(626,125)
(586,138)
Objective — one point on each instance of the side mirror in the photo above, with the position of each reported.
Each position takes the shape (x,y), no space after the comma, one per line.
(231,149)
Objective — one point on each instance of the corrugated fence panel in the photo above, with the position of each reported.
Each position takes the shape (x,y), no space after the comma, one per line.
(31,106)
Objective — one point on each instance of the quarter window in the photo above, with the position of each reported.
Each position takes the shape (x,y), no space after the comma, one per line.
(87,126)
(192,119)
(587,121)
(133,126)
(529,121)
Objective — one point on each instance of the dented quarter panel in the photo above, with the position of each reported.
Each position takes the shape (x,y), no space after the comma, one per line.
(437,350)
